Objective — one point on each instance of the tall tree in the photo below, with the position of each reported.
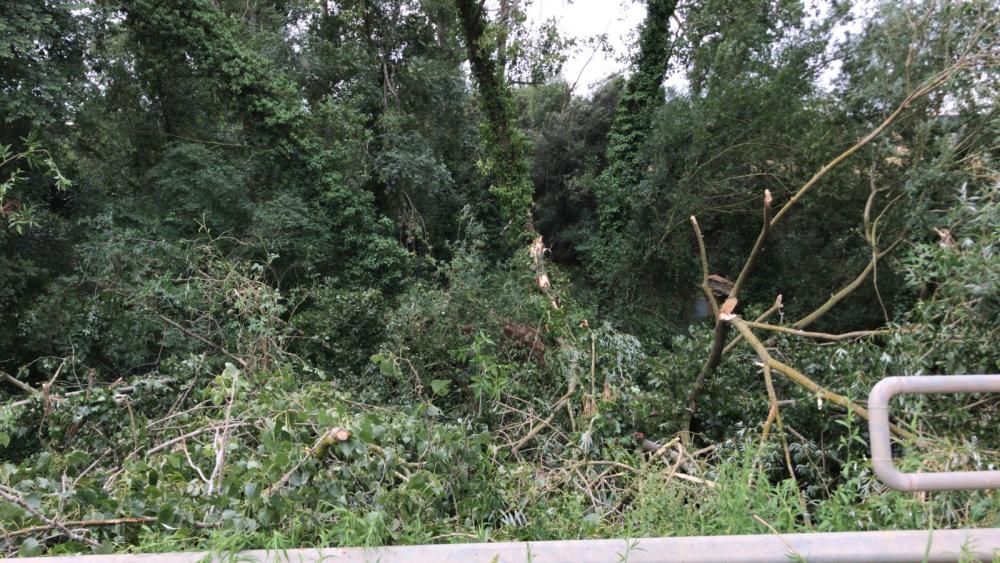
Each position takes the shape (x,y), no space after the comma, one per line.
(349,241)
(505,163)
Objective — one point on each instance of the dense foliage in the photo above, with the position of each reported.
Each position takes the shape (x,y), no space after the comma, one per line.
(287,273)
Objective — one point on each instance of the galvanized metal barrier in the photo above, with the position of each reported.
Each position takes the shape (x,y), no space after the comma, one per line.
(883,547)
(878,426)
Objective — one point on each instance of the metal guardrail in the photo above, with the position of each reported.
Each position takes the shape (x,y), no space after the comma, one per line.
(878,426)
(846,547)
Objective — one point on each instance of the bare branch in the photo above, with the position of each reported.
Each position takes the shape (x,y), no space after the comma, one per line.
(705,288)
(801,379)
(12,496)
(815,335)
(927,87)
(20,384)
(847,290)
(765,229)
(764,316)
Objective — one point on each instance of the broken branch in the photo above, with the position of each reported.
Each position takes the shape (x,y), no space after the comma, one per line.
(801,379)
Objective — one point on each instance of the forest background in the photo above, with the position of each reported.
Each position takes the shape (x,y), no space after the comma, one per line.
(286,273)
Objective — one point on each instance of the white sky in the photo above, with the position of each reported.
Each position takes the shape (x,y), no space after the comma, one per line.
(586,18)
(620,19)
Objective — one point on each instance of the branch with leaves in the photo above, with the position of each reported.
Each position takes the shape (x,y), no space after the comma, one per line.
(719,347)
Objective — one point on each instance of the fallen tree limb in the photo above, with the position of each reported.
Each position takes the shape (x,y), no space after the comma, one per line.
(326,439)
(764,316)
(85,524)
(562,402)
(20,384)
(927,87)
(705,288)
(721,328)
(120,395)
(671,451)
(718,346)
(815,335)
(110,481)
(12,496)
(99,524)
(801,379)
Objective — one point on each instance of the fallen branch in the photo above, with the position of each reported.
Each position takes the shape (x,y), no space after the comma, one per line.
(763,317)
(815,335)
(548,420)
(110,481)
(672,451)
(721,332)
(721,328)
(12,496)
(801,379)
(85,524)
(332,436)
(122,391)
(705,287)
(100,524)
(20,384)
(561,403)
(927,87)
(222,436)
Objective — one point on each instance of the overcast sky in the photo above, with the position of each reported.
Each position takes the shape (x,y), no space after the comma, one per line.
(586,18)
(619,20)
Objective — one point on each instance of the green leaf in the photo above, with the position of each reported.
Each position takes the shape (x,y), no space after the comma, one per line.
(4,439)
(30,548)
(440,387)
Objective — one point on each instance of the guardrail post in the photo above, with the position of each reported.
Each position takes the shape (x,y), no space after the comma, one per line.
(881,447)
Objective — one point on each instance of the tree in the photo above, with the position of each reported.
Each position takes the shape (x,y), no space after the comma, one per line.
(505,161)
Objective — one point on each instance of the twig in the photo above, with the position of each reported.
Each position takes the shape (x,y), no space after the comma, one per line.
(195,335)
(192,465)
(191,434)
(90,467)
(222,436)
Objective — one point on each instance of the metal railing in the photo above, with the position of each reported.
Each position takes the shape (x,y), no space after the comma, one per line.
(937,546)
(878,426)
